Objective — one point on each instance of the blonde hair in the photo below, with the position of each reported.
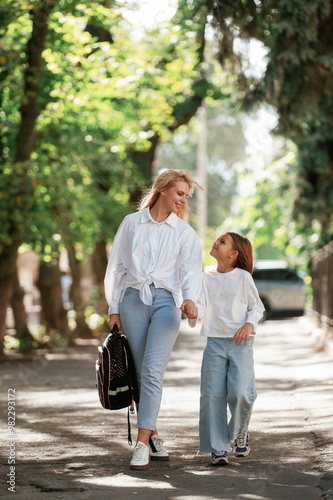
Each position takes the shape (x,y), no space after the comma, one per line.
(164,181)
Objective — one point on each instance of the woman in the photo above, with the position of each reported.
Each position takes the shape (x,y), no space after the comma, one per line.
(154,270)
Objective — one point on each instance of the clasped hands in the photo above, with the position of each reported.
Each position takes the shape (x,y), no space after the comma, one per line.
(189,308)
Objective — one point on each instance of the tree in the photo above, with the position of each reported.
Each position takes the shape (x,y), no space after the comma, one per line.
(16,179)
(264,212)
(298,82)
(225,147)
(98,105)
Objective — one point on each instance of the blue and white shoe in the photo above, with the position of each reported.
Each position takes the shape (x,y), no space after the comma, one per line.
(220,458)
(242,444)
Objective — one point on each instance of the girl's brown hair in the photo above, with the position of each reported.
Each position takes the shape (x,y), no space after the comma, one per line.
(243,246)
(166,180)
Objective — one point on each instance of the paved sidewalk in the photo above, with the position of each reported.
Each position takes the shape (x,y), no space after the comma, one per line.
(69,447)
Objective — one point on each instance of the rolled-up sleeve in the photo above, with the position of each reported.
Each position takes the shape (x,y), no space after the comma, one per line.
(115,271)
(190,269)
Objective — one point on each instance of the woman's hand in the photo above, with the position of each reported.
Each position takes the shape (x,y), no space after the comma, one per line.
(189,308)
(114,319)
(243,333)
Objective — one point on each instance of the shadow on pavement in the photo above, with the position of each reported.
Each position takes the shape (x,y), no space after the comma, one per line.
(69,447)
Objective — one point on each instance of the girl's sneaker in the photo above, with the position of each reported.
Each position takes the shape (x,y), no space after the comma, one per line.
(242,444)
(220,458)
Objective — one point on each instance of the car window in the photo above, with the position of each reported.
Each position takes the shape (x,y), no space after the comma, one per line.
(275,275)
(291,276)
(269,274)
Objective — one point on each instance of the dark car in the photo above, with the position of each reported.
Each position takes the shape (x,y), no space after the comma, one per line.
(281,289)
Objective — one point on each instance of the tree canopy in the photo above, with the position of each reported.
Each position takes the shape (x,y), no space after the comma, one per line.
(83,107)
(297,82)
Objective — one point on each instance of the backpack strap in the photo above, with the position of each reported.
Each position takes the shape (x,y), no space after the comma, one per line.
(129,437)
(131,368)
(132,375)
(152,445)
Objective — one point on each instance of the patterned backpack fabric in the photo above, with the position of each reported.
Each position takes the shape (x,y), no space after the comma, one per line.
(115,374)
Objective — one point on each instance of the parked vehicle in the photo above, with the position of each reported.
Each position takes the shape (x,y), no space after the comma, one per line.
(281,289)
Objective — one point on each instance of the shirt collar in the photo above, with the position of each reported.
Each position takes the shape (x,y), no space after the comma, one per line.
(172,219)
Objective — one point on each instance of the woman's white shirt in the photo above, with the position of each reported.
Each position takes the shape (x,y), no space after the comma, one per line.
(227,301)
(144,252)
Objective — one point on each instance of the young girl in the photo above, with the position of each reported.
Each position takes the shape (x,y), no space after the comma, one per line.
(230,306)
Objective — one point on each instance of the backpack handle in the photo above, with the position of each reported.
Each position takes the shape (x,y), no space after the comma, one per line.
(115,329)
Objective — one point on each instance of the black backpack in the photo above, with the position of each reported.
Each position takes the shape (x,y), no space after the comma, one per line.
(116,376)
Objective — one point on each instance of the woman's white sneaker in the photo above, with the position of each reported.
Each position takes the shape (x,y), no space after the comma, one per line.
(156,450)
(140,459)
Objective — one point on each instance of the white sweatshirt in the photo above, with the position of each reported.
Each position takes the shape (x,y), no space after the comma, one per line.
(226,302)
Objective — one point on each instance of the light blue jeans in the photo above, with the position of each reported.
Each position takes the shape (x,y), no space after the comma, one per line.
(151,332)
(227,379)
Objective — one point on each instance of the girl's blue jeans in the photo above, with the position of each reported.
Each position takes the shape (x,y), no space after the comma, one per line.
(227,379)
(151,332)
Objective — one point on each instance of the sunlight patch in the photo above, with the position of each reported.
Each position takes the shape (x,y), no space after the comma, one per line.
(248,496)
(124,481)
(201,472)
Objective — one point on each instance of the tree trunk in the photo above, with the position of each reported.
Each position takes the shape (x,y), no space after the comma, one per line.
(144,163)
(20,315)
(6,284)
(100,261)
(32,82)
(7,274)
(24,147)
(183,112)
(82,329)
(53,313)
